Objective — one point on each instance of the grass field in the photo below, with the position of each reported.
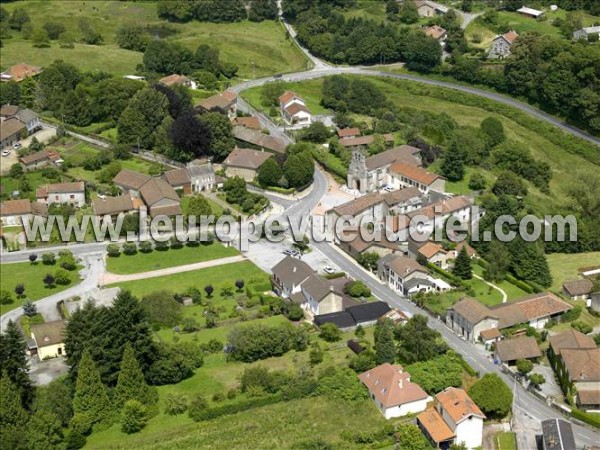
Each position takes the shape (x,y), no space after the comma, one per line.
(506,441)
(217,276)
(31,276)
(310,91)
(566,267)
(143,262)
(258,49)
(368,9)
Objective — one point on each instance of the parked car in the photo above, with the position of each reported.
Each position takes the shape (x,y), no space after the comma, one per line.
(17,145)
(328,269)
(5,152)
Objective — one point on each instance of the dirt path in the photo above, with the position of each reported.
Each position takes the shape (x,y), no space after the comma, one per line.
(110,278)
(504,296)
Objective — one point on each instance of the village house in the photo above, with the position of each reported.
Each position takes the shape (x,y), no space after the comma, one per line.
(426,8)
(501,44)
(258,140)
(160,198)
(19,72)
(321,297)
(251,122)
(26,116)
(407,276)
(224,102)
(113,206)
(405,175)
(575,359)
(344,133)
(40,159)
(11,131)
(469,318)
(12,212)
(578,289)
(245,162)
(392,391)
(60,193)
(433,253)
(530,12)
(585,33)
(131,182)
(372,173)
(202,176)
(179,179)
(509,351)
(49,339)
(294,110)
(396,316)
(288,276)
(435,215)
(456,419)
(438,33)
(557,434)
(178,80)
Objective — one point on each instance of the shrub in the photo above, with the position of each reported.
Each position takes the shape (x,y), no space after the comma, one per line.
(218,397)
(357,289)
(6,297)
(33,258)
(145,246)
(240,406)
(295,312)
(49,259)
(572,314)
(135,417)
(197,408)
(330,332)
(129,248)
(113,250)
(582,327)
(61,276)
(175,404)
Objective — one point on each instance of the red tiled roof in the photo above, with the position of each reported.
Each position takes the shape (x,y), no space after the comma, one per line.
(21,71)
(246,158)
(414,173)
(572,339)
(248,122)
(458,404)
(582,364)
(430,249)
(174,79)
(391,385)
(436,427)
(295,108)
(286,97)
(15,207)
(435,31)
(510,36)
(578,287)
(348,132)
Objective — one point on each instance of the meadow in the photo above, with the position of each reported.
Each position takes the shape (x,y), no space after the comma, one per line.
(565,267)
(258,49)
(31,276)
(143,262)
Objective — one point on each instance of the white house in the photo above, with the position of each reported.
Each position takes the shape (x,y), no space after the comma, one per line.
(455,419)
(72,193)
(404,274)
(530,12)
(294,110)
(405,175)
(584,33)
(392,391)
(288,276)
(501,45)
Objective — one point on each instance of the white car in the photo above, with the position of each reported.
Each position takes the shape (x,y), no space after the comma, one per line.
(388,189)
(5,152)
(328,269)
(17,145)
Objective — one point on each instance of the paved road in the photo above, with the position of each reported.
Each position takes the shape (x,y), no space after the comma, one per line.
(523,400)
(94,268)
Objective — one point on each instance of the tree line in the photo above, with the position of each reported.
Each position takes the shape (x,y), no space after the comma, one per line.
(217,11)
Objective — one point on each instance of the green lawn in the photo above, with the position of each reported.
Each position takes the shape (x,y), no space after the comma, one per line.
(258,49)
(506,441)
(368,9)
(31,276)
(217,276)
(143,262)
(512,292)
(566,267)
(309,90)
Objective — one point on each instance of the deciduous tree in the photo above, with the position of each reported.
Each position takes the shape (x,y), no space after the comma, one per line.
(492,395)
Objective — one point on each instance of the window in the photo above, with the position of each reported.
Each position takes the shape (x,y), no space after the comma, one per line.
(72,196)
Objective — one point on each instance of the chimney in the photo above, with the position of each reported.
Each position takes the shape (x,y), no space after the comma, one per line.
(294,269)
(400,383)
(331,288)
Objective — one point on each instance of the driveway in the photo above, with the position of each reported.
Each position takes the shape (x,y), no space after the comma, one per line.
(44,135)
(44,372)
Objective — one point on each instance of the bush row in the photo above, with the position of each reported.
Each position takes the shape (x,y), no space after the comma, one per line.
(243,405)
(589,418)
(453,279)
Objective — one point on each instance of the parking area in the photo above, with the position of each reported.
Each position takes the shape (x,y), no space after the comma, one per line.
(44,135)
(44,372)
(266,254)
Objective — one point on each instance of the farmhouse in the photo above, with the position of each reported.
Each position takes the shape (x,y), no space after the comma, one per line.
(455,419)
(321,297)
(131,182)
(40,159)
(113,206)
(429,9)
(160,198)
(344,133)
(26,116)
(49,339)
(436,32)
(294,110)
(11,131)
(71,193)
(19,72)
(434,253)
(404,274)
(372,173)
(179,179)
(202,176)
(258,140)
(578,289)
(469,317)
(178,80)
(509,351)
(584,33)
(501,45)
(245,162)
(364,141)
(13,211)
(392,391)
(224,102)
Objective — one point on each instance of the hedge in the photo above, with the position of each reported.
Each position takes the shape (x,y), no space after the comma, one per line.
(330,162)
(243,405)
(333,276)
(520,284)
(457,281)
(589,418)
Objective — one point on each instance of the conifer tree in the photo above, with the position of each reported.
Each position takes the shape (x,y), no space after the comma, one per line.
(131,384)
(44,431)
(12,414)
(462,265)
(91,398)
(384,343)
(14,362)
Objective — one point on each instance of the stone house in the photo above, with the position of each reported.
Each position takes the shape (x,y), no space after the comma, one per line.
(70,193)
(501,44)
